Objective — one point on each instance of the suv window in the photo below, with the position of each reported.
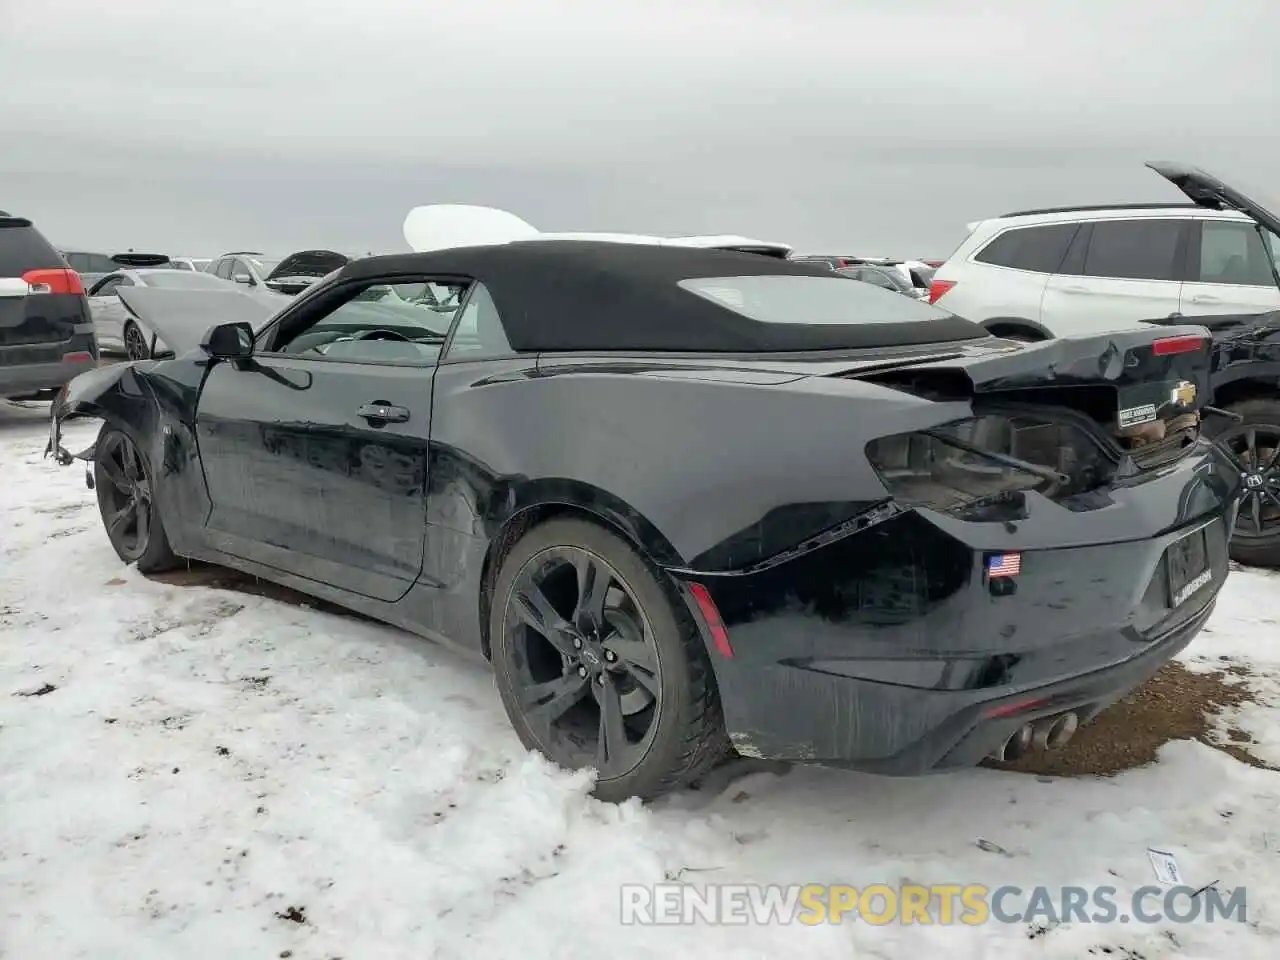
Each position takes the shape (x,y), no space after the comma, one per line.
(1037,249)
(22,248)
(223,269)
(1134,249)
(1234,253)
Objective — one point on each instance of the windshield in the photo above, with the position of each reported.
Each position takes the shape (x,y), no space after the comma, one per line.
(811,300)
(185,280)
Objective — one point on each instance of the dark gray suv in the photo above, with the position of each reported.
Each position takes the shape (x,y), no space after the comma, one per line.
(46,331)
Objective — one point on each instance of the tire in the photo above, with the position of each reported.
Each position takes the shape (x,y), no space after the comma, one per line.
(136,532)
(647,621)
(135,342)
(1262,416)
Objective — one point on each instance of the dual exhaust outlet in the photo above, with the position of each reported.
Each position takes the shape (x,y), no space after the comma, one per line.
(1048,733)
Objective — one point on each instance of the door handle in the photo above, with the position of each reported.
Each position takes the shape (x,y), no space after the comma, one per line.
(382,412)
(1205,299)
(1075,289)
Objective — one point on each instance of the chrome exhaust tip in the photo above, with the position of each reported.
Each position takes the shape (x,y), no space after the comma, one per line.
(1061,730)
(1017,744)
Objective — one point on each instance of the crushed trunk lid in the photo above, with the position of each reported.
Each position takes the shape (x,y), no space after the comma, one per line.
(1144,388)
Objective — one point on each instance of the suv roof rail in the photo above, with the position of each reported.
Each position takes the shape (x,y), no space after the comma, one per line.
(244,253)
(1097,206)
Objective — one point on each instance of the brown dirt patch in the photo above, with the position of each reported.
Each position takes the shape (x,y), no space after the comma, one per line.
(1175,704)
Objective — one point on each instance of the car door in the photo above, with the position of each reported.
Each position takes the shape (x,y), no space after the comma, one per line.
(1117,274)
(109,314)
(1231,269)
(315,450)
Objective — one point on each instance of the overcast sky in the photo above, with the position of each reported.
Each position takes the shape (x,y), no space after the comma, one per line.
(192,128)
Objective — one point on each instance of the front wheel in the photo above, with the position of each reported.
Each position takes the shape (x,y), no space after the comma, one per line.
(599,663)
(1254,444)
(126,500)
(135,342)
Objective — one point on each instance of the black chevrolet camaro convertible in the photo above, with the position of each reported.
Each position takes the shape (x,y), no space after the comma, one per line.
(687,501)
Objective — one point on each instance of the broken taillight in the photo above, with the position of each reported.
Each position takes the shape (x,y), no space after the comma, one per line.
(56,280)
(939,288)
(963,467)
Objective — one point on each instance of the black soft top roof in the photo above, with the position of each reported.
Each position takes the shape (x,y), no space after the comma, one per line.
(570,295)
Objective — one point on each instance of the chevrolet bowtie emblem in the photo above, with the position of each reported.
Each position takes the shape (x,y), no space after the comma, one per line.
(1183,394)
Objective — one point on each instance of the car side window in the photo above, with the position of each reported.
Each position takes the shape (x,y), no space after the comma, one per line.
(1134,249)
(1035,249)
(401,322)
(79,262)
(109,285)
(1233,253)
(97,263)
(479,334)
(224,269)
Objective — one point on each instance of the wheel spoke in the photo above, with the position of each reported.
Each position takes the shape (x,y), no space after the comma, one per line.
(115,522)
(639,659)
(115,472)
(144,523)
(613,732)
(593,586)
(1230,454)
(533,607)
(1251,445)
(545,703)
(129,458)
(1255,511)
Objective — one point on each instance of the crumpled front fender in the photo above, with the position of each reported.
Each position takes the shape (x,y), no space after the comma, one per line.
(100,393)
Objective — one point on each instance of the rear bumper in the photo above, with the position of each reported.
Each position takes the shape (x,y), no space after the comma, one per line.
(891,652)
(23,379)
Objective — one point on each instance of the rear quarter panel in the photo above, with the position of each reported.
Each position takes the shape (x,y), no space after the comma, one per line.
(691,461)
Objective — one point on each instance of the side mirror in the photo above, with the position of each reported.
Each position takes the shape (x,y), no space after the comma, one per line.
(229,341)
(243,278)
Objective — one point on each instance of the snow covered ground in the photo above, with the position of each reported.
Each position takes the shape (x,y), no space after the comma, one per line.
(221,775)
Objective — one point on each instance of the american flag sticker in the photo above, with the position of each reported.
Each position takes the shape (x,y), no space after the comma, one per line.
(1004,565)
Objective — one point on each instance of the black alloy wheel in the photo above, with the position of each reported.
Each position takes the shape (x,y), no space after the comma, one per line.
(599,664)
(586,661)
(1253,446)
(127,503)
(135,343)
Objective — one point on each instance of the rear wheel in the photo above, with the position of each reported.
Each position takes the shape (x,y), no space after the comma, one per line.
(599,663)
(126,500)
(135,342)
(1254,444)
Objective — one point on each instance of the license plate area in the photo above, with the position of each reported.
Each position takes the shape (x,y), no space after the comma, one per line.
(1187,566)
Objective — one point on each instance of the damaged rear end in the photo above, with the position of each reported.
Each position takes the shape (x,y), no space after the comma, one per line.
(1030,561)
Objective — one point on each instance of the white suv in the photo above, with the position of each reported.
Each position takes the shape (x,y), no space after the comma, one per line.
(1083,270)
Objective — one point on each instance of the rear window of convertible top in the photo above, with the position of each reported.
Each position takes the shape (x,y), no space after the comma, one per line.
(838,300)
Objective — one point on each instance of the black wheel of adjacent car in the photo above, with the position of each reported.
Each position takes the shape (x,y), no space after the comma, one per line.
(135,342)
(1254,443)
(126,500)
(599,663)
